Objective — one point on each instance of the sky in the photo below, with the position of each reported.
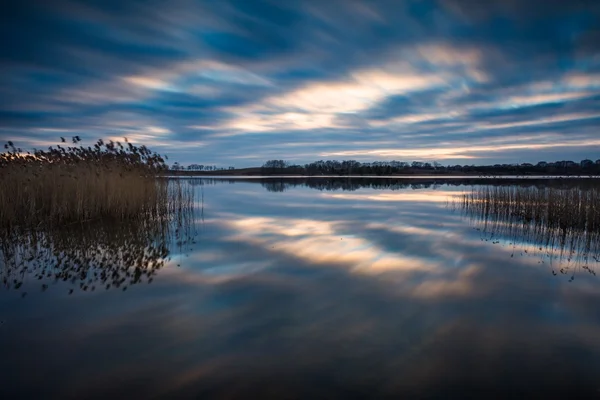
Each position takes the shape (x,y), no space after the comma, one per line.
(238,82)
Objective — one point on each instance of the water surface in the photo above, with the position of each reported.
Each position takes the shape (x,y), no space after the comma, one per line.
(290,288)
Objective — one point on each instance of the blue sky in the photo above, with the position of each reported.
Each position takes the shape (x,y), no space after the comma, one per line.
(238,82)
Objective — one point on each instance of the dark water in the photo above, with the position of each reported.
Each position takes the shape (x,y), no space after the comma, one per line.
(326,289)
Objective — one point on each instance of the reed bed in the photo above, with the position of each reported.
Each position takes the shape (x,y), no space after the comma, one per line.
(571,209)
(96,255)
(565,222)
(67,184)
(95,217)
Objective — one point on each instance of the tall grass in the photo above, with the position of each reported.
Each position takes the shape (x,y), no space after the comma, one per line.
(96,254)
(95,217)
(563,221)
(67,184)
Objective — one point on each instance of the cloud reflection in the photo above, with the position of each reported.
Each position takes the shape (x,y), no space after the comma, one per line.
(454,315)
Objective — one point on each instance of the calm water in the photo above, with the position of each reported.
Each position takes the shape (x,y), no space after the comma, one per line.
(286,290)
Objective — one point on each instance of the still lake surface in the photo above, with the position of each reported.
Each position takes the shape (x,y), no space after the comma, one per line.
(307,289)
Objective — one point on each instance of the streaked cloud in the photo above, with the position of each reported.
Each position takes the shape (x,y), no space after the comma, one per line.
(240,82)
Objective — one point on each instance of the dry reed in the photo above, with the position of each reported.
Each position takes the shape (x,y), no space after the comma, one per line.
(97,255)
(72,184)
(563,221)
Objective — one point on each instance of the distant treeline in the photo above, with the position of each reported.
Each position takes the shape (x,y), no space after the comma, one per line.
(198,167)
(352,167)
(383,168)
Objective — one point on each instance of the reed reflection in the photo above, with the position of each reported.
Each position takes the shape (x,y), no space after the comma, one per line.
(99,254)
(560,225)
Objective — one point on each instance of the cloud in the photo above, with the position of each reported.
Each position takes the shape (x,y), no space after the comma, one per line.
(469,152)
(242,79)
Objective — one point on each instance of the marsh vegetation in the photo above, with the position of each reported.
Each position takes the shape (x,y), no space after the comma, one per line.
(560,225)
(66,184)
(97,217)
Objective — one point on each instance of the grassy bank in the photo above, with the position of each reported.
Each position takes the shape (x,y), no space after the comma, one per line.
(67,184)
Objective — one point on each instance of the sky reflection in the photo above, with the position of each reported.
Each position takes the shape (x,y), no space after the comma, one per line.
(305,293)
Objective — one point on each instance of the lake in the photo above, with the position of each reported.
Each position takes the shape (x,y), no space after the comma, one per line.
(315,288)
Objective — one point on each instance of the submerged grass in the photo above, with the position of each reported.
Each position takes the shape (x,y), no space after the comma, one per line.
(74,183)
(568,210)
(96,254)
(563,221)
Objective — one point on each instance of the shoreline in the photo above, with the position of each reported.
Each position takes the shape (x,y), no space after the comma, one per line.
(398,177)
